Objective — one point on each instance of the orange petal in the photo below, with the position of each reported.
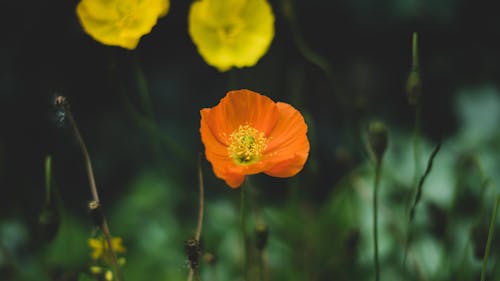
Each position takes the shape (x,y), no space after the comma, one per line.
(217,155)
(234,180)
(289,167)
(242,107)
(288,146)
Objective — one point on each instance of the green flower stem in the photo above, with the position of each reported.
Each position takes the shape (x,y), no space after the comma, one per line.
(416,141)
(490,238)
(243,227)
(378,166)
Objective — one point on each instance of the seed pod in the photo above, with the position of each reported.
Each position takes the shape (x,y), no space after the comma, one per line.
(192,248)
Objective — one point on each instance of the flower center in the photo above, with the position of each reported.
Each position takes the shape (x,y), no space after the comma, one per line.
(228,31)
(246,145)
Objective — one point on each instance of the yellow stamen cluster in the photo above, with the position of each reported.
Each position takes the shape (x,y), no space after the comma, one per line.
(246,145)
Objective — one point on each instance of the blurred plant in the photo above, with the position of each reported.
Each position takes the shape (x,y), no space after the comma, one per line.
(120,22)
(49,218)
(231,33)
(248,133)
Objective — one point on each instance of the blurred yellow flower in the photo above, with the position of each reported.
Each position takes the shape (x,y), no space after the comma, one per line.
(99,247)
(120,22)
(231,33)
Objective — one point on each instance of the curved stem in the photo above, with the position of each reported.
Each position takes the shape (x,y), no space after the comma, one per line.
(490,238)
(86,156)
(93,188)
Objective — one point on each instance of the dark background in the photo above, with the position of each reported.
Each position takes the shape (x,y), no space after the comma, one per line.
(44,52)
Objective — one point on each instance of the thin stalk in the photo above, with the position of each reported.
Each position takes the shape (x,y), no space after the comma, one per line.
(195,271)
(243,228)
(86,156)
(202,202)
(378,165)
(490,238)
(416,141)
(93,188)
(416,130)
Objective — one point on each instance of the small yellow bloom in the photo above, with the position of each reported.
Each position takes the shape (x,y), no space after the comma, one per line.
(108,276)
(96,270)
(100,247)
(120,22)
(231,33)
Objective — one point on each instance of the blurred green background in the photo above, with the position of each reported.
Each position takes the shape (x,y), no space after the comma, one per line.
(320,221)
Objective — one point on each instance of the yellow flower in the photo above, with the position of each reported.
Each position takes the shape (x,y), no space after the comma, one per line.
(99,247)
(120,22)
(231,33)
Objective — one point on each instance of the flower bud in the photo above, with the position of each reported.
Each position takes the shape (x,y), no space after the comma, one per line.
(377,139)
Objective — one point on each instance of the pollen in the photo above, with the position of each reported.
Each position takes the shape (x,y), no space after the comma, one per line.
(246,145)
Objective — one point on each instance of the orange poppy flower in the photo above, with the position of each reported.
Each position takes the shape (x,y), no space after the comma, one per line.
(248,133)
